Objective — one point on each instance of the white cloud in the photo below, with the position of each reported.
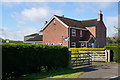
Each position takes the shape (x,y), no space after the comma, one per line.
(94,5)
(79,10)
(86,7)
(24,18)
(36,14)
(111,22)
(16,35)
(103,4)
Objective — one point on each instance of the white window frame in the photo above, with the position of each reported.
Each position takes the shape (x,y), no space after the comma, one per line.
(81,33)
(73,32)
(73,44)
(50,43)
(82,44)
(59,43)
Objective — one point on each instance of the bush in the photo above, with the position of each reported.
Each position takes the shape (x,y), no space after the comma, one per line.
(115,51)
(19,59)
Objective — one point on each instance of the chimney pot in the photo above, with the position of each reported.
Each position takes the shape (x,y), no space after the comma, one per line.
(100,16)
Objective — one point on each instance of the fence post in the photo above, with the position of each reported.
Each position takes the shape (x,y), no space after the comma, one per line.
(106,57)
(108,51)
(69,62)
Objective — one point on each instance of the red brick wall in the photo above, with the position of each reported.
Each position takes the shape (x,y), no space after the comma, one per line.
(54,33)
(100,34)
(77,38)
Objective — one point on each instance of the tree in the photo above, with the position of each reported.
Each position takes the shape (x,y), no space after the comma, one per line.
(117,34)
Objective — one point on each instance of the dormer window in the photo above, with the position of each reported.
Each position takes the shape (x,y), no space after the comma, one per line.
(80,33)
(73,32)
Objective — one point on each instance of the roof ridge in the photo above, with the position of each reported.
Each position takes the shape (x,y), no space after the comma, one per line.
(75,19)
(89,19)
(66,18)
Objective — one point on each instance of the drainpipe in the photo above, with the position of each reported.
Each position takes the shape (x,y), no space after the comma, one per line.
(86,44)
(69,37)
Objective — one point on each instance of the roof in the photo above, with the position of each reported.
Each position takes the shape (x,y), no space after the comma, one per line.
(76,23)
(70,22)
(73,23)
(36,38)
(89,23)
(32,35)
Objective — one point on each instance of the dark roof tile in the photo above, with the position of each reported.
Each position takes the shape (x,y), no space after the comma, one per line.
(76,23)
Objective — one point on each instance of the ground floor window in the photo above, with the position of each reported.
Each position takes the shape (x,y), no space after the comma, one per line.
(82,44)
(50,43)
(73,44)
(59,43)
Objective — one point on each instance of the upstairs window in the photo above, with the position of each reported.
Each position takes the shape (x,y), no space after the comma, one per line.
(73,32)
(73,44)
(81,33)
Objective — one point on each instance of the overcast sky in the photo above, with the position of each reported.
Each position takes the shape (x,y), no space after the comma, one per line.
(23,18)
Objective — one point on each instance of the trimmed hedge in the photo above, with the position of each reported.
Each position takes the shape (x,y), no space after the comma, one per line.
(115,52)
(19,59)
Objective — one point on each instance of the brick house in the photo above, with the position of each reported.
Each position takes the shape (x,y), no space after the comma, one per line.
(60,30)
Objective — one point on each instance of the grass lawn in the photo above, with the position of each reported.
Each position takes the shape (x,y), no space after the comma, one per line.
(53,74)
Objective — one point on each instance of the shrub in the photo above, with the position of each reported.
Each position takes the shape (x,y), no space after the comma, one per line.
(115,51)
(21,59)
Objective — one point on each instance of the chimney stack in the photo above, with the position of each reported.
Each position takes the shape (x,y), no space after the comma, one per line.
(100,16)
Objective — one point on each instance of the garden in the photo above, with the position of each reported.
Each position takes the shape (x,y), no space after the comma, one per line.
(36,61)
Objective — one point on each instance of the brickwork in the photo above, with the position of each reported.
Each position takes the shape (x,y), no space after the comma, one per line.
(100,35)
(55,32)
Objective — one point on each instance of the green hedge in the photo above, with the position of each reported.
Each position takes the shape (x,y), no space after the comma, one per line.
(19,59)
(115,52)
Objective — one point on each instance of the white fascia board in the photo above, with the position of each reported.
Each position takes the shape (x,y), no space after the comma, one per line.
(48,22)
(78,28)
(61,22)
(94,38)
(51,20)
(91,38)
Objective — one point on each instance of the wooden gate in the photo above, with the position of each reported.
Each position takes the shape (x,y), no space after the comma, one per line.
(99,55)
(80,59)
